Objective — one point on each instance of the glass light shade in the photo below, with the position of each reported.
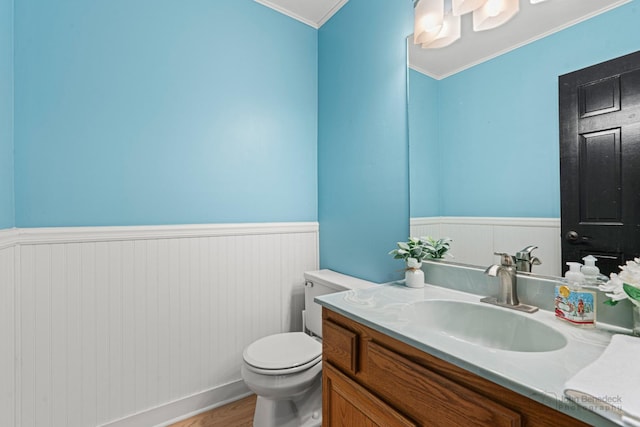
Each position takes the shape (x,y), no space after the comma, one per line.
(428,20)
(450,33)
(460,7)
(494,13)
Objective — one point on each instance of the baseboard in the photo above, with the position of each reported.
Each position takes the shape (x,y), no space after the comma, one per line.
(170,413)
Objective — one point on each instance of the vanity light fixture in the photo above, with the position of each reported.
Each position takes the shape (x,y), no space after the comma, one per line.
(460,7)
(428,20)
(437,22)
(494,13)
(449,33)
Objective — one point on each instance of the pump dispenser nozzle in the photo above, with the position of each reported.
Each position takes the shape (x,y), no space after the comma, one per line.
(590,270)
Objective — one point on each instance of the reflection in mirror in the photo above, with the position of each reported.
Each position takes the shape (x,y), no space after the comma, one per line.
(484,143)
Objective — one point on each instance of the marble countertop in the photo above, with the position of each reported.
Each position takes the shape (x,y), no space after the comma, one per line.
(537,375)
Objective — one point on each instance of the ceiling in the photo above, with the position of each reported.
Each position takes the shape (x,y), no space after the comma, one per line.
(534,21)
(311,12)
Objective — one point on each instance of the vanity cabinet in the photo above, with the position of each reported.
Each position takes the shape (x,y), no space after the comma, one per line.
(371,379)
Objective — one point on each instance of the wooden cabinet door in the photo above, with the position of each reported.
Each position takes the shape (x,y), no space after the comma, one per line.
(347,404)
(431,399)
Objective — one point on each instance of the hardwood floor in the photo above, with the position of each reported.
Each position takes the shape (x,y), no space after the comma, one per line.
(235,414)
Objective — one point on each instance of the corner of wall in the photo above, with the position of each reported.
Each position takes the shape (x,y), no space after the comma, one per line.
(7,108)
(13,113)
(439,199)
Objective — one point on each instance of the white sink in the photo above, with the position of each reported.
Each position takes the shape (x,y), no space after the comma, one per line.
(483,325)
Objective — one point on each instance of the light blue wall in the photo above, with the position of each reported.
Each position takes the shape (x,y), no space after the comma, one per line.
(499,119)
(362,139)
(424,151)
(163,111)
(6,114)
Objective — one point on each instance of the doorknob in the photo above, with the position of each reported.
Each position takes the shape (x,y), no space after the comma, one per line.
(575,238)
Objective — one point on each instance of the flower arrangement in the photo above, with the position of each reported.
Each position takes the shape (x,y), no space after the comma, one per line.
(625,285)
(415,250)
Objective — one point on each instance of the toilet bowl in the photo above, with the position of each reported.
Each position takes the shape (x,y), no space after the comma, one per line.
(285,370)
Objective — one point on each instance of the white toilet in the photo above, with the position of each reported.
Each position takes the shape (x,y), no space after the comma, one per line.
(285,370)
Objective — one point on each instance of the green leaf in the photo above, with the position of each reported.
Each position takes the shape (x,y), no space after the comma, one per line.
(632,291)
(611,302)
(403,245)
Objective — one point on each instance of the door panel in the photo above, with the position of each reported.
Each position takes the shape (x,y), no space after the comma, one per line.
(599,97)
(600,162)
(600,178)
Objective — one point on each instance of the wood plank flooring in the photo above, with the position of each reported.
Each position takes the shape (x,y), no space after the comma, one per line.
(235,414)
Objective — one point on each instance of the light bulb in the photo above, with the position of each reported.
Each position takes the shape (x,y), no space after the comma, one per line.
(430,22)
(494,7)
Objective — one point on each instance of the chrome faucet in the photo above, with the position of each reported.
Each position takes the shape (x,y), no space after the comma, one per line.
(508,293)
(524,260)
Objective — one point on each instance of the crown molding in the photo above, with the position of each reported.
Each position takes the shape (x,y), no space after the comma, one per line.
(331,12)
(310,22)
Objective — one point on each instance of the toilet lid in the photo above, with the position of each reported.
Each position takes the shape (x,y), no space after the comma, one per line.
(282,351)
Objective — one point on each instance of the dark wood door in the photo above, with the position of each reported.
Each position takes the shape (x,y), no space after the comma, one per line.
(600,162)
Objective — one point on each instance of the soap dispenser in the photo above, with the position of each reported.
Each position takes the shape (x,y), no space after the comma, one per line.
(590,270)
(575,278)
(573,304)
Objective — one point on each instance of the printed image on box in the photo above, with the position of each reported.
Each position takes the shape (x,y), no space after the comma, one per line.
(575,306)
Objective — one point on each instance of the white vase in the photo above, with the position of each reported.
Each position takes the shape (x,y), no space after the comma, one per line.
(414,276)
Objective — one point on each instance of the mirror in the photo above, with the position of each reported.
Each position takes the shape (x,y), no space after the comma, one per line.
(484,144)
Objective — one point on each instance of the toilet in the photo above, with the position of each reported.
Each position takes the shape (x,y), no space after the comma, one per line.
(285,370)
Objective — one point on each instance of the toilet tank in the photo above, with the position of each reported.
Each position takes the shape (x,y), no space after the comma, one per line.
(324,282)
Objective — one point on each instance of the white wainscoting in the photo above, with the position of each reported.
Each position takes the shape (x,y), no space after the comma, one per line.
(475,239)
(138,325)
(7,328)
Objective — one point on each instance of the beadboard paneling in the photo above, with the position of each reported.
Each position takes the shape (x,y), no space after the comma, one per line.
(114,327)
(475,239)
(7,337)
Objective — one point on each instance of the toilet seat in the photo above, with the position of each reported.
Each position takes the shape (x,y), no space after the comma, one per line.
(282,354)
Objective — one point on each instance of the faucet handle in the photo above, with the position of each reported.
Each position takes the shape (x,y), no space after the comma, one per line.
(506,260)
(525,254)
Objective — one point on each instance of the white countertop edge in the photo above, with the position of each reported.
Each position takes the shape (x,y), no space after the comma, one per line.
(552,400)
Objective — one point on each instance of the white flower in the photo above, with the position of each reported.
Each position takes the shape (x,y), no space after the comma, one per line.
(630,274)
(614,288)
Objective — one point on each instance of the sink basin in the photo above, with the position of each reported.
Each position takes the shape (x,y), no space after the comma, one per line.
(484,325)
